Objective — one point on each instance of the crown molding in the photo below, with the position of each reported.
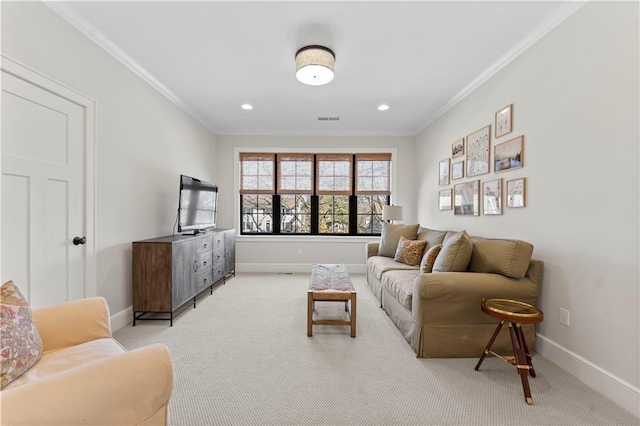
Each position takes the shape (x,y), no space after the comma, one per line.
(566,10)
(81,24)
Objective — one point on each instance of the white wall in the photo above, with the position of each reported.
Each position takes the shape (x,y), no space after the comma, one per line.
(575,99)
(144,141)
(281,253)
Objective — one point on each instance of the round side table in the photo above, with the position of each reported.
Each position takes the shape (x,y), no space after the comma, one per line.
(514,313)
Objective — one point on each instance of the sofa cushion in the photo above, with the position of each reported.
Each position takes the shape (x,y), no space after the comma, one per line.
(432,237)
(400,285)
(506,257)
(455,254)
(60,360)
(429,258)
(381,264)
(21,345)
(390,237)
(409,251)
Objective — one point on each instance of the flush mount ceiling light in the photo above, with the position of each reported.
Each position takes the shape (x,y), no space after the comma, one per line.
(246,106)
(383,107)
(314,65)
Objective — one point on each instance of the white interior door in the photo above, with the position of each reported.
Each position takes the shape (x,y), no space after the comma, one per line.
(42,192)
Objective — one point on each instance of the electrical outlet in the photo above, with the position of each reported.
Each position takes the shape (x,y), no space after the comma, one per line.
(299,250)
(564,317)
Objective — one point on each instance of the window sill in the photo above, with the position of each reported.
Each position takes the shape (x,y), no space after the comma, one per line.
(306,238)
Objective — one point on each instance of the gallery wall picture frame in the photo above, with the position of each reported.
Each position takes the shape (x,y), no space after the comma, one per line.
(443,172)
(457,148)
(504,121)
(516,192)
(478,152)
(466,198)
(492,197)
(508,155)
(444,199)
(457,170)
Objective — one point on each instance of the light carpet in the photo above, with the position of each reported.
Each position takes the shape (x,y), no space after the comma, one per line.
(242,357)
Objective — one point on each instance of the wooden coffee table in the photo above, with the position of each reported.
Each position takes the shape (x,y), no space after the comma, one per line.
(331,283)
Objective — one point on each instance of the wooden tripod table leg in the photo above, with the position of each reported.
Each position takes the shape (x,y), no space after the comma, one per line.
(486,350)
(521,362)
(527,354)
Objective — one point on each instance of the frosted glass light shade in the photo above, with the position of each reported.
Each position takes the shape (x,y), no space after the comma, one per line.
(314,65)
(391,212)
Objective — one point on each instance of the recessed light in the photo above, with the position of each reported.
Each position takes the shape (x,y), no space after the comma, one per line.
(246,106)
(383,107)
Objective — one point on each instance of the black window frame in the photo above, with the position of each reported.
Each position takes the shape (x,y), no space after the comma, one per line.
(315,211)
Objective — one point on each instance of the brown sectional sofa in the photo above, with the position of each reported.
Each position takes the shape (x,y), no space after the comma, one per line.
(438,313)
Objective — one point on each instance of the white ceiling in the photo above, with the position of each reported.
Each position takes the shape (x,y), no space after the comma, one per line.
(420,57)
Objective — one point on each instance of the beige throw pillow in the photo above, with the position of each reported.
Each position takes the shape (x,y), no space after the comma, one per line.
(455,254)
(429,258)
(506,257)
(21,345)
(409,252)
(391,236)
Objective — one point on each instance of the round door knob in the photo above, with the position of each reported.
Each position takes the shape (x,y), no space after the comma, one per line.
(79,240)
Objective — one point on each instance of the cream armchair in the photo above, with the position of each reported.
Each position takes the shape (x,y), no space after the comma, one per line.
(85,376)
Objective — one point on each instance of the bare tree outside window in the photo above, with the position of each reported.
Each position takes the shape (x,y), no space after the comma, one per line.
(295,214)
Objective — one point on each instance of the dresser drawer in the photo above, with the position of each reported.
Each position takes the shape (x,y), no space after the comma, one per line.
(205,261)
(204,279)
(218,240)
(204,243)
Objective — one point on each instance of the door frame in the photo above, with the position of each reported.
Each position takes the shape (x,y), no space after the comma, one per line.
(89,106)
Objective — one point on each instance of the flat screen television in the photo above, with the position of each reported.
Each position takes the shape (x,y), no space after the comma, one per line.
(198,205)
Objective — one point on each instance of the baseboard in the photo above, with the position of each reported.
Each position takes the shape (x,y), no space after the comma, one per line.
(292,268)
(121,319)
(619,391)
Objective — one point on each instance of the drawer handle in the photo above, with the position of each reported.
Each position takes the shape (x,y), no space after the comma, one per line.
(205,263)
(205,245)
(195,265)
(205,280)
(218,256)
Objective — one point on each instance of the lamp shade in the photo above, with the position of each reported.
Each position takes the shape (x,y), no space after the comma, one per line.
(391,212)
(314,65)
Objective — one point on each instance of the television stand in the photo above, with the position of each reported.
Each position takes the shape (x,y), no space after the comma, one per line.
(170,272)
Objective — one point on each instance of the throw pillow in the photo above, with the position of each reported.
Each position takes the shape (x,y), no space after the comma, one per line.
(21,345)
(390,237)
(409,252)
(429,258)
(455,254)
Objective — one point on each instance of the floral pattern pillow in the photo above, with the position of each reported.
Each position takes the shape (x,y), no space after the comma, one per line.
(409,251)
(429,258)
(20,344)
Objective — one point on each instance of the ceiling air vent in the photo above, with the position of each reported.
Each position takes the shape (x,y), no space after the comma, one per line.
(328,118)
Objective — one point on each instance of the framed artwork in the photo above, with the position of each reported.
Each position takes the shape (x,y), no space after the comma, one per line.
(466,199)
(492,197)
(457,148)
(444,199)
(457,170)
(478,152)
(503,121)
(443,172)
(516,192)
(508,155)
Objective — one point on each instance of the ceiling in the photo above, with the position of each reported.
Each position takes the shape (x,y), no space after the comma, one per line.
(419,57)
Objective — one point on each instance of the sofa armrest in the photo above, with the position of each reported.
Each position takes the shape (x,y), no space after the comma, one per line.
(455,297)
(71,323)
(124,389)
(371,249)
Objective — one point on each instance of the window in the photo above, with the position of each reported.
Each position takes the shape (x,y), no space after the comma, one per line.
(257,188)
(314,194)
